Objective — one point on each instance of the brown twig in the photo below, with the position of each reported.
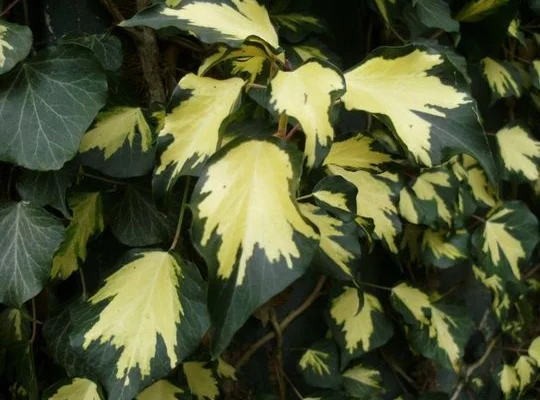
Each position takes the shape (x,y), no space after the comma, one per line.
(283,325)
(8,8)
(289,135)
(278,357)
(181,216)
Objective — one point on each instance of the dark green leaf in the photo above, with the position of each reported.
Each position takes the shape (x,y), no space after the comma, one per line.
(319,365)
(436,14)
(107,48)
(15,44)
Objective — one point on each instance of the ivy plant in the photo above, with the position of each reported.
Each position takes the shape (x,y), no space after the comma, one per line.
(238,199)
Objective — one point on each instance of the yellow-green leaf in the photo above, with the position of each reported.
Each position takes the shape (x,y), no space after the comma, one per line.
(445,249)
(319,364)
(295,21)
(467,169)
(212,21)
(266,246)
(506,239)
(225,370)
(77,388)
(527,371)
(475,10)
(508,380)
(14,326)
(185,143)
(418,94)
(520,153)
(437,330)
(358,323)
(376,200)
(534,349)
(87,221)
(500,300)
(337,196)
(503,78)
(306,52)
(162,390)
(362,382)
(308,94)
(383,6)
(201,381)
(146,318)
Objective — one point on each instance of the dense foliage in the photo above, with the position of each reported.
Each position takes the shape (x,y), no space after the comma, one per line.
(205,199)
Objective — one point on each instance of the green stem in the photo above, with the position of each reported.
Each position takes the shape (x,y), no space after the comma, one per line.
(181,216)
(307,196)
(389,289)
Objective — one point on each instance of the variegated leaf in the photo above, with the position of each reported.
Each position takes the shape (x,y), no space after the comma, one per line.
(519,153)
(467,169)
(185,143)
(135,329)
(527,371)
(15,44)
(212,21)
(500,302)
(294,27)
(225,370)
(436,330)
(120,143)
(76,388)
(417,94)
(363,382)
(266,246)
(534,349)
(304,52)
(87,221)
(508,381)
(319,365)
(503,78)
(506,239)
(444,249)
(337,196)
(162,390)
(201,380)
(358,323)
(308,95)
(385,7)
(476,10)
(535,73)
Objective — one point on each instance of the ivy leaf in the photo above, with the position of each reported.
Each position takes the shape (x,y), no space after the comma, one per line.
(534,350)
(358,323)
(527,371)
(418,95)
(319,365)
(339,249)
(436,14)
(363,382)
(201,381)
(30,236)
(185,143)
(48,187)
(436,330)
(444,249)
(266,246)
(502,77)
(506,239)
(47,104)
(136,221)
(337,196)
(359,152)
(135,330)
(232,21)
(376,200)
(308,94)
(14,326)
(162,389)
(500,303)
(476,10)
(107,48)
(15,44)
(467,169)
(386,7)
(87,222)
(295,27)
(519,153)
(75,388)
(119,144)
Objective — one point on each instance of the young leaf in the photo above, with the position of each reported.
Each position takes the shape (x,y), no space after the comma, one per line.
(527,371)
(162,390)
(436,14)
(358,323)
(120,143)
(319,365)
(47,104)
(14,327)
(201,381)
(337,196)
(508,381)
(308,94)
(87,222)
(15,44)
(76,388)
(363,382)
(266,246)
(30,236)
(135,329)
(444,249)
(506,239)
(339,249)
(358,152)
(212,21)
(376,199)
(184,142)
(520,153)
(225,370)
(422,100)
(467,169)
(436,330)
(476,10)
(503,78)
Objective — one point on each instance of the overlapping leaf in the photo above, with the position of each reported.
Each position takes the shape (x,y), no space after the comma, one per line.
(106,47)
(201,380)
(500,300)
(30,236)
(212,21)
(436,330)
(47,105)
(476,10)
(363,382)
(519,152)
(506,239)
(319,365)
(444,249)
(358,323)
(337,196)
(308,95)
(467,169)
(15,44)
(294,27)
(415,91)
(148,316)
(184,142)
(76,388)
(266,246)
(162,389)
(87,221)
(503,78)
(120,143)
